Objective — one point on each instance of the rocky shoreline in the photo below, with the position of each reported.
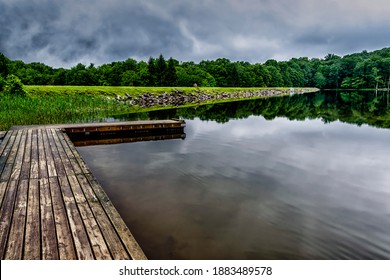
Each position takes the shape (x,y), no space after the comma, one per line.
(180,97)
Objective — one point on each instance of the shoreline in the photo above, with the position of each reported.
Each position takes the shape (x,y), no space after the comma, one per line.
(180,97)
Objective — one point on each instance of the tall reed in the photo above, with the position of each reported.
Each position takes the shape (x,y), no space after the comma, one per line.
(17,110)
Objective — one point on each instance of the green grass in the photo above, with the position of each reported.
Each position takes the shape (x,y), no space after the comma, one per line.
(73,104)
(16,110)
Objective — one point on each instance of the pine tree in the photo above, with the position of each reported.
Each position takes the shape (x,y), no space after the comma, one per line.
(171,76)
(152,71)
(161,68)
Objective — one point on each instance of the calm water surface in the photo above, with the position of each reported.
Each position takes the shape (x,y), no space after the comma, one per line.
(254,188)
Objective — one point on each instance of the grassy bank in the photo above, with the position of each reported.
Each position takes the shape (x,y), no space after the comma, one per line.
(72,104)
(122,91)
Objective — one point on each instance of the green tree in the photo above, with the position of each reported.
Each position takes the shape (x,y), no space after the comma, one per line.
(161,68)
(129,78)
(171,75)
(319,79)
(190,75)
(3,65)
(152,72)
(276,77)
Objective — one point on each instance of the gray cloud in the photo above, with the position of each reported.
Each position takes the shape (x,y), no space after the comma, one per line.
(65,32)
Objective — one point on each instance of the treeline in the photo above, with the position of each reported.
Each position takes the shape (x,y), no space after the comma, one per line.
(359,70)
(354,107)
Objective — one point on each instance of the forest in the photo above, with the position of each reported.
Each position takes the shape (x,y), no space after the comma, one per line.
(353,71)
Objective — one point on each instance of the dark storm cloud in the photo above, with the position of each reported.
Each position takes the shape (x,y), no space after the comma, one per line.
(65,32)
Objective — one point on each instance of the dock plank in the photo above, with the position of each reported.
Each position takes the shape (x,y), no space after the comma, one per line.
(71,157)
(42,164)
(3,134)
(114,243)
(51,169)
(16,236)
(20,149)
(9,163)
(98,243)
(81,242)
(4,142)
(7,209)
(65,244)
(32,245)
(34,159)
(5,148)
(48,229)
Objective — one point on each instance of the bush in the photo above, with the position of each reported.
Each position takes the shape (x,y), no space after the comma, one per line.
(14,86)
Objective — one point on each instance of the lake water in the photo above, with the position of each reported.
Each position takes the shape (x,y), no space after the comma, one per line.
(301,177)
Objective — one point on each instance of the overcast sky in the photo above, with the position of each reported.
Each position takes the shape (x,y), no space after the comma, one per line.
(62,33)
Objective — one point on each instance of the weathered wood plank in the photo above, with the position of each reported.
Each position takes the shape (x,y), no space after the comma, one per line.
(69,154)
(27,153)
(3,134)
(98,243)
(43,173)
(80,237)
(49,156)
(7,170)
(129,241)
(114,243)
(32,245)
(3,188)
(25,169)
(56,155)
(6,147)
(34,166)
(4,143)
(48,229)
(80,162)
(64,235)
(19,157)
(14,249)
(64,158)
(6,215)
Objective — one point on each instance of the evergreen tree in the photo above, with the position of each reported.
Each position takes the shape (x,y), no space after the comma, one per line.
(161,68)
(171,76)
(152,71)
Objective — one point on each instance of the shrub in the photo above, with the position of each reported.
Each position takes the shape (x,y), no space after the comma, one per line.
(14,86)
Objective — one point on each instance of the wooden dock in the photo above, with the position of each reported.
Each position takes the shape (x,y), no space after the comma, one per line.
(52,207)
